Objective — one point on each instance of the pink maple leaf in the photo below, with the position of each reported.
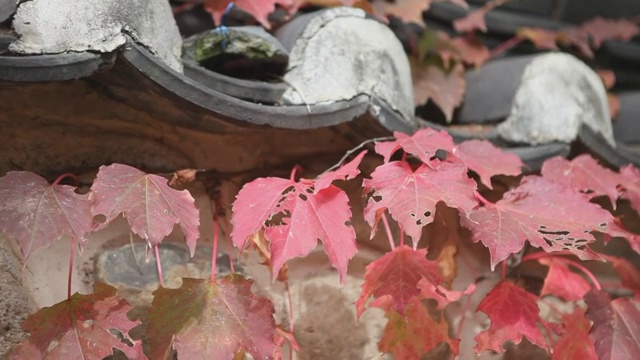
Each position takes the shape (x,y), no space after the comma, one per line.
(81,328)
(616,325)
(150,206)
(550,216)
(396,275)
(562,282)
(211,320)
(36,214)
(487,160)
(514,314)
(583,174)
(305,215)
(423,144)
(411,196)
(631,185)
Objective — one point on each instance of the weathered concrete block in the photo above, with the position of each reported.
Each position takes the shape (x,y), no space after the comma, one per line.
(57,26)
(557,95)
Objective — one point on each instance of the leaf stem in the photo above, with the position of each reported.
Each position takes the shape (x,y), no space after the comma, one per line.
(401,235)
(296,168)
(482,198)
(72,256)
(67,175)
(575,264)
(291,318)
(387,228)
(465,309)
(214,251)
(504,269)
(158,265)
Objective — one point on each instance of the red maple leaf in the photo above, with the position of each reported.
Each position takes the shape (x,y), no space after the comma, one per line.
(209,320)
(306,213)
(550,216)
(411,196)
(467,49)
(575,343)
(407,10)
(412,333)
(562,282)
(475,20)
(542,38)
(260,10)
(583,174)
(149,204)
(616,325)
(423,144)
(80,328)
(631,185)
(488,160)
(444,87)
(600,29)
(608,77)
(470,50)
(395,276)
(36,214)
(514,314)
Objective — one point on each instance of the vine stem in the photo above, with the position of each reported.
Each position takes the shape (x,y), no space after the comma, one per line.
(387,228)
(584,270)
(71,259)
(67,175)
(352,151)
(158,265)
(505,46)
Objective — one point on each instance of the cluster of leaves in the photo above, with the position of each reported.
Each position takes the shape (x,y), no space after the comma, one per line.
(204,318)
(552,212)
(209,318)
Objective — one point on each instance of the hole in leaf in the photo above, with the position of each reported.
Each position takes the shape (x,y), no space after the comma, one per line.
(278,219)
(419,222)
(548,242)
(347,223)
(581,241)
(427,213)
(581,247)
(376,198)
(603,225)
(440,155)
(101,219)
(413,215)
(545,232)
(309,190)
(303,197)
